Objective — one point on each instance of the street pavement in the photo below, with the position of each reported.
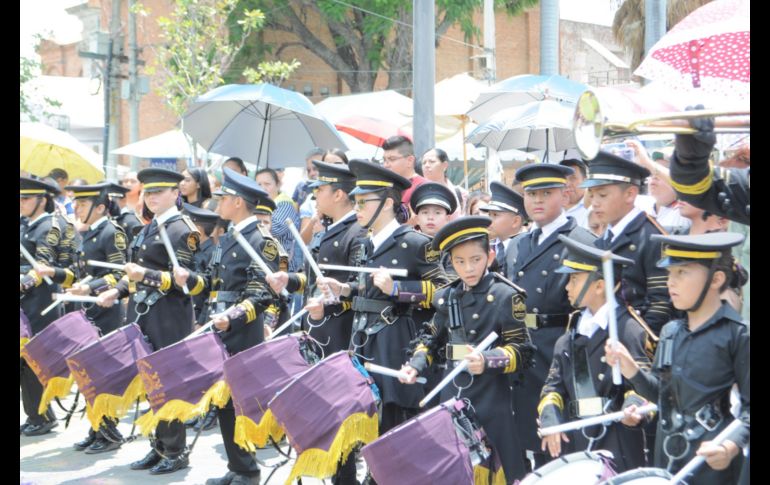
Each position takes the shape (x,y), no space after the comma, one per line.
(51,459)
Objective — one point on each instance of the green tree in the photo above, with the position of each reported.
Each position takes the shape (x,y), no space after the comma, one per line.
(31,106)
(197,48)
(375,36)
(628,25)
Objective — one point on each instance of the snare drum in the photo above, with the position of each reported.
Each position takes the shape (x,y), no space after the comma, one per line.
(46,353)
(444,445)
(254,376)
(183,380)
(641,476)
(327,411)
(583,468)
(25,332)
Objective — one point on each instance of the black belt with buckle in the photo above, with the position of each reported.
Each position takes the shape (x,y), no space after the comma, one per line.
(369,305)
(586,407)
(537,320)
(706,419)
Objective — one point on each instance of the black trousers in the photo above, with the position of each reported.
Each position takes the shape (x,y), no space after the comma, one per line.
(31,392)
(392,415)
(170,438)
(346,473)
(238,460)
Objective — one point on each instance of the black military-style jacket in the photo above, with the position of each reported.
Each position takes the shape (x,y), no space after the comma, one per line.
(105,242)
(388,345)
(511,255)
(704,365)
(339,245)
(233,279)
(130,223)
(202,259)
(643,284)
(41,239)
(170,318)
(494,304)
(68,243)
(568,381)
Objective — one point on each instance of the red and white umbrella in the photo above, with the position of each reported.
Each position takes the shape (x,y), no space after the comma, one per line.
(709,49)
(370,130)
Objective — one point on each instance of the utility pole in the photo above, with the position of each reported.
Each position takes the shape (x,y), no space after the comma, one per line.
(654,23)
(114,101)
(133,100)
(549,37)
(424,75)
(489,40)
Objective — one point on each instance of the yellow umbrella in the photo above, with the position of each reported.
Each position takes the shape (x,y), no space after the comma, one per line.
(43,148)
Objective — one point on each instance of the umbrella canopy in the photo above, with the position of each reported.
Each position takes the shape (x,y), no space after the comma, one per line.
(524,89)
(534,126)
(370,130)
(708,49)
(260,123)
(43,149)
(387,105)
(169,144)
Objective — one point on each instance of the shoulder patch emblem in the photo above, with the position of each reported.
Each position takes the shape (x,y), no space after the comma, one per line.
(121,243)
(270,250)
(431,255)
(519,310)
(52,238)
(192,241)
(69,232)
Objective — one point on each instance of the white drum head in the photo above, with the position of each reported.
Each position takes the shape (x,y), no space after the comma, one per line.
(640,476)
(582,468)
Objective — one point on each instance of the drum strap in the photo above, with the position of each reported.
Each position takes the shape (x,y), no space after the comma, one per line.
(667,400)
(456,324)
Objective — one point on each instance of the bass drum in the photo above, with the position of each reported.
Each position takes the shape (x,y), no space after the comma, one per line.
(581,468)
(641,476)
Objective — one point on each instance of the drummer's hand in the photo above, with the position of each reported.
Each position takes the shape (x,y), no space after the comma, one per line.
(221,322)
(180,276)
(197,326)
(107,298)
(383,281)
(79,289)
(631,417)
(409,371)
(315,308)
(475,362)
(619,353)
(267,331)
(134,271)
(326,284)
(44,270)
(278,281)
(718,457)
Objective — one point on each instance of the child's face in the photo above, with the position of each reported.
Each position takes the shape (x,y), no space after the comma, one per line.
(470,261)
(575,286)
(685,283)
(504,224)
(544,205)
(611,203)
(431,218)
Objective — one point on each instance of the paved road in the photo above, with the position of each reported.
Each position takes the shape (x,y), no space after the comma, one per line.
(50,459)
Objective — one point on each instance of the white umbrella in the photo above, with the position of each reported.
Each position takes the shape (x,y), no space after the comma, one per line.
(169,144)
(541,125)
(261,123)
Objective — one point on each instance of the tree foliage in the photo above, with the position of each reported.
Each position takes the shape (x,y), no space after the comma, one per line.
(32,107)
(360,38)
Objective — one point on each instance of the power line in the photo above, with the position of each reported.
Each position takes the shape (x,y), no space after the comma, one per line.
(474,46)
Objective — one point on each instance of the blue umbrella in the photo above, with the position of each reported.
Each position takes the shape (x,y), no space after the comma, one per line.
(260,123)
(524,89)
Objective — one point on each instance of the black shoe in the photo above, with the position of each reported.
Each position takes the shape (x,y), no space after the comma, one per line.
(23,427)
(102,446)
(90,439)
(170,465)
(245,479)
(208,422)
(40,429)
(192,422)
(225,480)
(150,460)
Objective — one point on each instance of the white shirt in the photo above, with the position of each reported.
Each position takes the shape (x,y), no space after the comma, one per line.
(670,217)
(170,212)
(352,212)
(384,234)
(580,213)
(621,225)
(590,323)
(551,227)
(245,223)
(98,223)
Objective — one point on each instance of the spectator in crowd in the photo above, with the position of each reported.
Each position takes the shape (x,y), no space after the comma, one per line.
(476,200)
(131,182)
(398,156)
(62,178)
(576,206)
(435,163)
(235,163)
(302,190)
(268,179)
(195,188)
